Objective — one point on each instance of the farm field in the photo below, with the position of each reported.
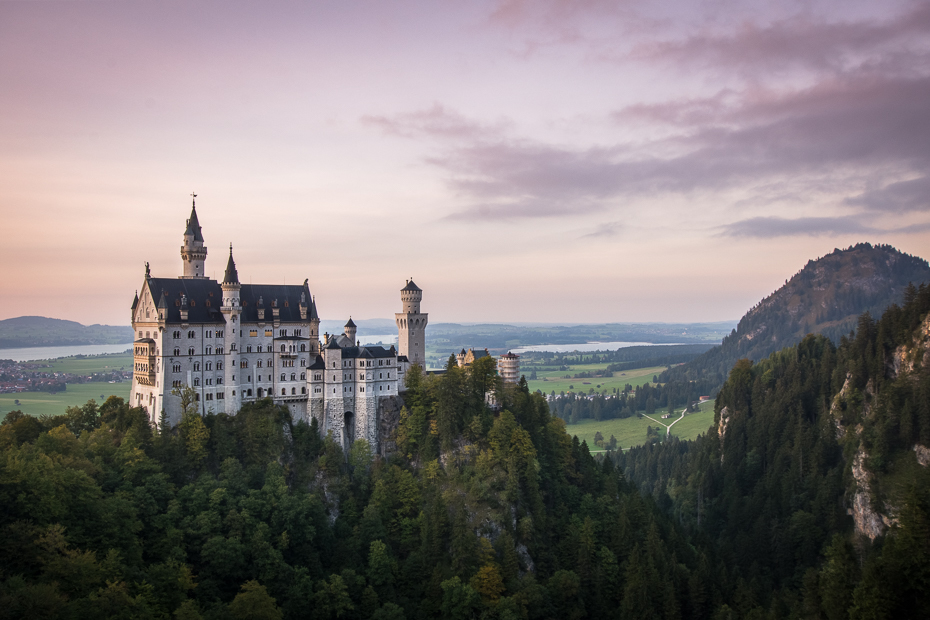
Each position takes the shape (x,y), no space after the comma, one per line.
(632,431)
(555,379)
(43,403)
(90,364)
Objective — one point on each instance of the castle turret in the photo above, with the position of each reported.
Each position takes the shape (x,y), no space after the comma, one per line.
(411,325)
(231,309)
(193,251)
(350,330)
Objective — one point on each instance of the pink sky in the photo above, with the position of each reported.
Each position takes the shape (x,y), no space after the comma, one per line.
(576,161)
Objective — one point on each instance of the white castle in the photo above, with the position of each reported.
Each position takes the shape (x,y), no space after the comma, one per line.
(236,343)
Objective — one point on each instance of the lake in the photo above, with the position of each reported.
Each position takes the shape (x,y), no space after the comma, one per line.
(49,353)
(589,346)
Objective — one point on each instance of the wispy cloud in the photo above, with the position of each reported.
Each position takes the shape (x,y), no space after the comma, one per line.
(437,122)
(911,195)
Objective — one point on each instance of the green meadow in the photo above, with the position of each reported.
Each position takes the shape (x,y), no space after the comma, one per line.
(632,431)
(43,403)
(87,365)
(555,379)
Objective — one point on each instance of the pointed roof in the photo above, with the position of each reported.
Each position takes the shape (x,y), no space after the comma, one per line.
(350,323)
(411,286)
(135,301)
(232,276)
(193,225)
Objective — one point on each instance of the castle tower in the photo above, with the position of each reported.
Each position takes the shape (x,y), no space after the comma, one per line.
(193,252)
(411,325)
(350,330)
(231,309)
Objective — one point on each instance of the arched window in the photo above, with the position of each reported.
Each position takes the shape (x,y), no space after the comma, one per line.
(283,349)
(293,376)
(283,377)
(190,351)
(177,352)
(294,391)
(303,376)
(283,392)
(303,390)
(258,364)
(303,348)
(249,393)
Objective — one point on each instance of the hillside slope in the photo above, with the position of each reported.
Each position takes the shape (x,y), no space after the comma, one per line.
(40,331)
(825,297)
(818,454)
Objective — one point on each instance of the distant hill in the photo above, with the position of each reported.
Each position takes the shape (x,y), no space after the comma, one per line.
(39,331)
(825,297)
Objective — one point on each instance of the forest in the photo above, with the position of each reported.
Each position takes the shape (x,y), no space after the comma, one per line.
(486,512)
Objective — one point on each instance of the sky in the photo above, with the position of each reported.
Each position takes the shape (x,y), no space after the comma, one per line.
(570,161)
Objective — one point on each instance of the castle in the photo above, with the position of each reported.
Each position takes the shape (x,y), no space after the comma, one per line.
(235,343)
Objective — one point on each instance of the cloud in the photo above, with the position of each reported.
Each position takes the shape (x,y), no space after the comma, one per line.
(435,122)
(912,195)
(771,227)
(799,41)
(606,229)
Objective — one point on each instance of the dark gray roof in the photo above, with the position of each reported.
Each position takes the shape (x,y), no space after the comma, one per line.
(204,298)
(367,352)
(350,323)
(135,301)
(411,286)
(231,276)
(318,364)
(193,225)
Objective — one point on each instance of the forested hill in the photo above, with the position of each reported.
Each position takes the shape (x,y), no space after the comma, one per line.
(39,331)
(825,297)
(814,482)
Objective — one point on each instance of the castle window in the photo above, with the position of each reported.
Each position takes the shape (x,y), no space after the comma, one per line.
(196,366)
(208,334)
(253,333)
(249,393)
(193,303)
(258,364)
(219,380)
(208,305)
(283,377)
(209,350)
(283,391)
(208,366)
(293,390)
(282,332)
(259,348)
(208,381)
(293,376)
(219,350)
(303,363)
(190,351)
(232,347)
(287,303)
(191,334)
(270,363)
(196,380)
(269,332)
(379,375)
(176,335)
(248,349)
(361,389)
(177,302)
(222,396)
(303,390)
(334,365)
(209,396)
(177,351)
(219,365)
(197,397)
(176,383)
(140,333)
(361,376)
(243,363)
(303,348)
(317,390)
(219,333)
(176,368)
(303,376)
(283,349)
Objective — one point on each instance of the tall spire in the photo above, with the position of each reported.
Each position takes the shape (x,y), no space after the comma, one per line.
(193,224)
(232,276)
